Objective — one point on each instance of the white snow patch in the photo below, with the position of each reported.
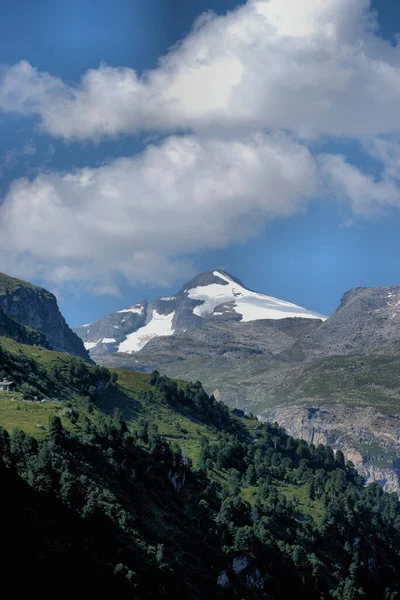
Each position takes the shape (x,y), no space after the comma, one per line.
(138,308)
(168,298)
(108,341)
(90,345)
(157,325)
(115,326)
(86,325)
(218,313)
(251,305)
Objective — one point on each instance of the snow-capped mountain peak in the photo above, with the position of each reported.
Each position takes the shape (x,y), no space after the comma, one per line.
(227,294)
(213,298)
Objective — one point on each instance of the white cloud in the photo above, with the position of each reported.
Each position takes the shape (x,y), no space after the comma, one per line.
(139,217)
(362,191)
(387,152)
(9,158)
(308,68)
(311,66)
(142,217)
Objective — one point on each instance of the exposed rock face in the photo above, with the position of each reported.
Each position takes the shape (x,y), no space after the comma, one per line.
(21,333)
(35,307)
(345,370)
(370,439)
(213,315)
(367,321)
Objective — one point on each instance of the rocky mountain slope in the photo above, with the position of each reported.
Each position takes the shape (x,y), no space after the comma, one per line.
(29,306)
(22,333)
(213,315)
(173,495)
(366,321)
(280,362)
(350,401)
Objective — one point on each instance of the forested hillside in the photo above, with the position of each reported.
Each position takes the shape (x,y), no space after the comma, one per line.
(147,488)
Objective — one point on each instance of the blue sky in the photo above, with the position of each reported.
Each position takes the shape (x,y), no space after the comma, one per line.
(292,239)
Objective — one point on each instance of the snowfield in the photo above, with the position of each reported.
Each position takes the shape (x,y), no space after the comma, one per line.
(251,305)
(157,325)
(222,297)
(90,345)
(138,308)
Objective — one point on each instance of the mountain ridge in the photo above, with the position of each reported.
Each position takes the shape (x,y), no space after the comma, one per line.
(34,307)
(309,374)
(210,298)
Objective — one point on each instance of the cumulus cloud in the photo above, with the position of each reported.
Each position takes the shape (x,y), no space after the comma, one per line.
(316,66)
(224,97)
(365,194)
(387,152)
(140,216)
(9,158)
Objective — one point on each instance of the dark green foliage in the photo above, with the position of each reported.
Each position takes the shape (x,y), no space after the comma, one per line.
(118,513)
(55,428)
(34,380)
(115,490)
(193,399)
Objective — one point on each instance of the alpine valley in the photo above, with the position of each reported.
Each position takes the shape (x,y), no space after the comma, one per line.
(329,380)
(126,484)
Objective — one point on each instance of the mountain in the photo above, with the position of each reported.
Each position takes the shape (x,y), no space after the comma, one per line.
(149,488)
(22,333)
(339,384)
(311,375)
(30,314)
(366,321)
(213,314)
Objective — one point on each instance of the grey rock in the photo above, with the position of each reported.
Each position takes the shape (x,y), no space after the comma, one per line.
(220,333)
(35,307)
(223,580)
(367,321)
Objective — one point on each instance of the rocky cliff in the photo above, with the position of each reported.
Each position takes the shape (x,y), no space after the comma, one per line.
(366,321)
(214,314)
(20,333)
(35,307)
(366,436)
(334,380)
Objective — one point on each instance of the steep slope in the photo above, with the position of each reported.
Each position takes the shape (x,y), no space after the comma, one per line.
(366,321)
(338,383)
(117,504)
(351,402)
(212,314)
(37,308)
(22,333)
(310,375)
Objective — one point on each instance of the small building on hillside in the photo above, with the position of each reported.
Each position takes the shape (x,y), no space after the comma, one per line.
(6,385)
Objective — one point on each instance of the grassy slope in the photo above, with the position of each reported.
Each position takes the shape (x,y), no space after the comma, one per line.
(366,380)
(372,380)
(32,417)
(129,396)
(41,355)
(11,284)
(173,424)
